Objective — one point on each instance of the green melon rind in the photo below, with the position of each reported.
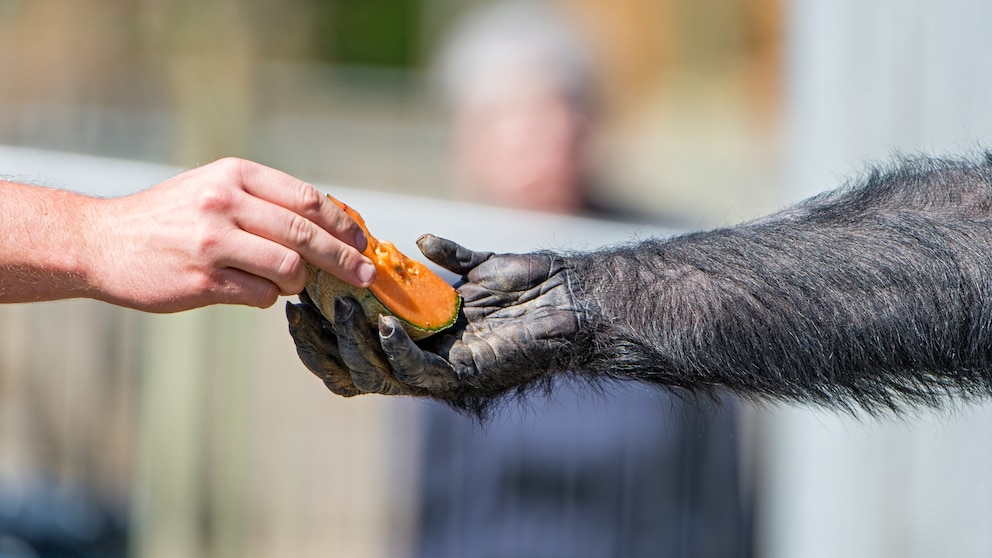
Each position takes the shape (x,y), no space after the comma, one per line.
(323,288)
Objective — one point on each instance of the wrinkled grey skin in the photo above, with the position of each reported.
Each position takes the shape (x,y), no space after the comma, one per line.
(519,321)
(877,296)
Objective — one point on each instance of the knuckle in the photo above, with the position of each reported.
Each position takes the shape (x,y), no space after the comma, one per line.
(341,387)
(216,199)
(309,199)
(345,260)
(292,273)
(208,241)
(368,382)
(301,231)
(231,166)
(410,377)
(342,222)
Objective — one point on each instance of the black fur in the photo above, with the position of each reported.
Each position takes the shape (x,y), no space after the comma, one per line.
(877,295)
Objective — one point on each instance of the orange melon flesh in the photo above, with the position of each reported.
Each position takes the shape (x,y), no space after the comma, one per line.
(403,287)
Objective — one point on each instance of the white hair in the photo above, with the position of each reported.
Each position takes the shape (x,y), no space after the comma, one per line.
(502,48)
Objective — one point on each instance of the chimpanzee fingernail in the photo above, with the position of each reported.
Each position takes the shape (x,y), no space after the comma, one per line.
(386,329)
(293,314)
(342,309)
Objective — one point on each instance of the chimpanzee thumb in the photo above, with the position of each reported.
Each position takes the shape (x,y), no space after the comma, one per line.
(450,255)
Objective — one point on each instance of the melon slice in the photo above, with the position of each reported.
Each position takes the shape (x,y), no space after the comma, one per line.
(424,303)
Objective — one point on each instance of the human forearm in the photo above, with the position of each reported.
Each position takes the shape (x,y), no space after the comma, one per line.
(878,296)
(43,243)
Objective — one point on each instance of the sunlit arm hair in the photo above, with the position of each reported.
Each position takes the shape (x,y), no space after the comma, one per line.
(878,296)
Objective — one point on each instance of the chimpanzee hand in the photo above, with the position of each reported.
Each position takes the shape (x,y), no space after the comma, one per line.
(520,320)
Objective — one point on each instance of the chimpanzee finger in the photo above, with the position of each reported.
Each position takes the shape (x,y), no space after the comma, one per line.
(305,299)
(450,255)
(410,364)
(318,348)
(510,275)
(360,352)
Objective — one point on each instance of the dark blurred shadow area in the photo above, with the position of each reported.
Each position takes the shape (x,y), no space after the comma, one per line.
(48,517)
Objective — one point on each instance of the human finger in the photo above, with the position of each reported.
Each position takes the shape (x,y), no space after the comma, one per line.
(306,300)
(301,198)
(317,348)
(263,258)
(450,255)
(306,238)
(219,286)
(234,286)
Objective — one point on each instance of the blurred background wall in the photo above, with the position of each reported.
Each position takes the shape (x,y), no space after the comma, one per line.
(339,90)
(201,435)
(865,80)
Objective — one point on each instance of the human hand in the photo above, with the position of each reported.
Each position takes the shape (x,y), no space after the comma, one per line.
(520,321)
(232,232)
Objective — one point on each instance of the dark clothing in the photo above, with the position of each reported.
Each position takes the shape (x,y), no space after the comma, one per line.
(632,473)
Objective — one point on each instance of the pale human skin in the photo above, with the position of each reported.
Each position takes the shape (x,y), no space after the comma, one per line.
(230,232)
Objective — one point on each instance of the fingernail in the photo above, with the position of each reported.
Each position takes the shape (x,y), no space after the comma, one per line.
(361,243)
(342,309)
(386,329)
(366,272)
(293,314)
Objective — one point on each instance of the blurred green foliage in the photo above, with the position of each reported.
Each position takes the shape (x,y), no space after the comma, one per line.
(368,32)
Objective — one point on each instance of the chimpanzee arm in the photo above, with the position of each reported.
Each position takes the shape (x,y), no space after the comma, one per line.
(878,295)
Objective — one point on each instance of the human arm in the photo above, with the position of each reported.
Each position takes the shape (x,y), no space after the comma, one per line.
(232,232)
(876,296)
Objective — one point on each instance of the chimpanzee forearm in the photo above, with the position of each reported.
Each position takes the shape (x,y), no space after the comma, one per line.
(879,294)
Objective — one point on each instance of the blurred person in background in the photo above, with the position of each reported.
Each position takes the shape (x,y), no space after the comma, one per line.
(521,90)
(632,472)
